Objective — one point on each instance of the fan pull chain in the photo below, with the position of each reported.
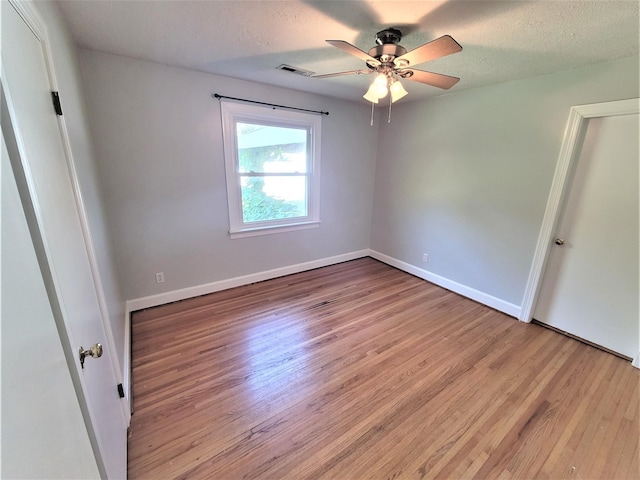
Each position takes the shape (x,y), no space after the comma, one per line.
(372,105)
(390,102)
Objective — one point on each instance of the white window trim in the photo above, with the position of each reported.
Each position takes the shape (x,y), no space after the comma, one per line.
(232,112)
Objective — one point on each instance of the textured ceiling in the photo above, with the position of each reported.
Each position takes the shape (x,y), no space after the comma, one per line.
(501,40)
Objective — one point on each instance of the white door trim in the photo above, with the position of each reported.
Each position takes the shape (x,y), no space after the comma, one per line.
(569,151)
(34,21)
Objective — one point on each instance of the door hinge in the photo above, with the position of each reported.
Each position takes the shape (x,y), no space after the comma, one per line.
(56,103)
(120,390)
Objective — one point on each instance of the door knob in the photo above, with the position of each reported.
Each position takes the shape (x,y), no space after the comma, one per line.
(95,351)
(559,241)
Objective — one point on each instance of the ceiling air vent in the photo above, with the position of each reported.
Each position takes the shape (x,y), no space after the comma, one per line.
(297,71)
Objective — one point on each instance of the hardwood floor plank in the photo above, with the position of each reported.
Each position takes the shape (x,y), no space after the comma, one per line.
(516,384)
(560,461)
(605,463)
(358,371)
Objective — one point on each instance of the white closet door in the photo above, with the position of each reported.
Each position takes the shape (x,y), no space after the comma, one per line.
(590,288)
(44,165)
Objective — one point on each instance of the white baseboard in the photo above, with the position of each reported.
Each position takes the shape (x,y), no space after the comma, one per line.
(190,292)
(196,291)
(636,361)
(476,295)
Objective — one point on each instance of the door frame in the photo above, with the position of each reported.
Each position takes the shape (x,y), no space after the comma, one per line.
(569,152)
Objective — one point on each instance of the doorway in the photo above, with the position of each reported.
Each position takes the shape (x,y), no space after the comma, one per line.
(589,287)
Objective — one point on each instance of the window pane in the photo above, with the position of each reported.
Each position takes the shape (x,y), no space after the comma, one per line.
(269,149)
(272,164)
(273,198)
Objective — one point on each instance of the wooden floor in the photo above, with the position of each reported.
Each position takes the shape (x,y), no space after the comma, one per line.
(359,371)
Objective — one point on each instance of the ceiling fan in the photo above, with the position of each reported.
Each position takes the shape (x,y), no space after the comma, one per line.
(392,62)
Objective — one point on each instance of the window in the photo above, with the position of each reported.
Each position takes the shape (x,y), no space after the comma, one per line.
(272,162)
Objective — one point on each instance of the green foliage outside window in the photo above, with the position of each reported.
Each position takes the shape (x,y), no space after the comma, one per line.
(256,204)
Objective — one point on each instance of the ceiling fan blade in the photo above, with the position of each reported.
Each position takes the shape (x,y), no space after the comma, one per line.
(355,51)
(350,72)
(440,47)
(434,79)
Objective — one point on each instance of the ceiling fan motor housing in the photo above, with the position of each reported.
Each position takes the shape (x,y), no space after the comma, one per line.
(387,52)
(387,48)
(390,35)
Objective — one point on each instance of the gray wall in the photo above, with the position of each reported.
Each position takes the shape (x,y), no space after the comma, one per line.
(465,177)
(158,137)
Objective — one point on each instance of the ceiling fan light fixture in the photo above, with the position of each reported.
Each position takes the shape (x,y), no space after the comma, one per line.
(371,94)
(380,85)
(397,91)
(391,62)
(378,88)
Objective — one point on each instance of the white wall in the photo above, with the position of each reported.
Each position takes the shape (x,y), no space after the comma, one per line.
(465,177)
(158,139)
(65,61)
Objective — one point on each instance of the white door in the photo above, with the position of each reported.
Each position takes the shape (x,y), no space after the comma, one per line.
(591,288)
(37,442)
(26,83)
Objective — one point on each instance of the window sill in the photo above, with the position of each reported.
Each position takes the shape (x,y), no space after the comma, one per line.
(268,230)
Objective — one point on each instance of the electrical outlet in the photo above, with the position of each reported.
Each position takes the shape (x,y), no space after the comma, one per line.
(425,257)
(159,277)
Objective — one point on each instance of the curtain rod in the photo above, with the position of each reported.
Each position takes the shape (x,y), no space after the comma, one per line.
(215,95)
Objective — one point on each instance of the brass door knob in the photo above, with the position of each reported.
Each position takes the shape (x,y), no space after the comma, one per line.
(95,352)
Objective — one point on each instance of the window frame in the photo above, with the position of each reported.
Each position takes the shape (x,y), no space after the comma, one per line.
(234,113)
